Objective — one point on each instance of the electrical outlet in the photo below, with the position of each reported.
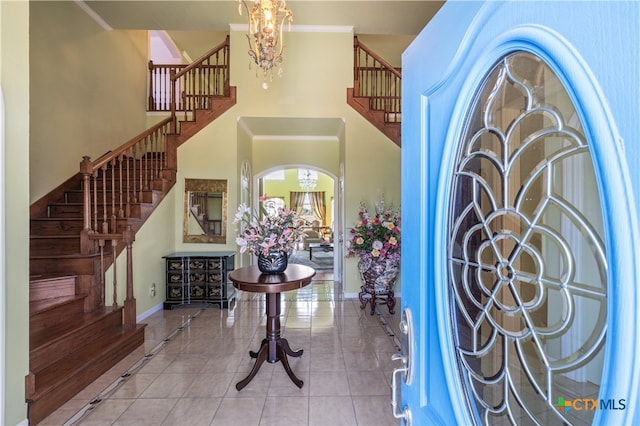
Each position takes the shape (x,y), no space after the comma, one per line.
(152,290)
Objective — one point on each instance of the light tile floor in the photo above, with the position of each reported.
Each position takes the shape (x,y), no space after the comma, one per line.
(186,371)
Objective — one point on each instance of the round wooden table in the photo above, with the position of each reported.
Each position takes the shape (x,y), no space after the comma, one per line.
(273,348)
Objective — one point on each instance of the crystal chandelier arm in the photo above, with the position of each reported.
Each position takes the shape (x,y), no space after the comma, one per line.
(266,21)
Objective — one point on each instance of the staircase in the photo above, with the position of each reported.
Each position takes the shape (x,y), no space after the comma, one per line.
(376,91)
(79,228)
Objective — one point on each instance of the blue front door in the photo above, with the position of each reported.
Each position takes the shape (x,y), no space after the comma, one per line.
(520,182)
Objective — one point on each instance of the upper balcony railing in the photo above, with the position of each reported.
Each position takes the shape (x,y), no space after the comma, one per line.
(376,79)
(117,181)
(184,87)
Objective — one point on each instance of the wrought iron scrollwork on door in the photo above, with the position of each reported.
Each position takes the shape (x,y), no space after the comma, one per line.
(526,257)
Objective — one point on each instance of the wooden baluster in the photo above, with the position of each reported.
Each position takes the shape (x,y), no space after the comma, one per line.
(194,88)
(152,157)
(156,154)
(162,137)
(94,180)
(209,79)
(227,72)
(366,72)
(139,154)
(105,211)
(134,178)
(203,83)
(163,134)
(387,94)
(147,164)
(127,207)
(103,289)
(173,100)
(165,79)
(130,301)
(396,106)
(114,245)
(143,167)
(120,189)
(216,79)
(221,72)
(356,67)
(112,218)
(155,146)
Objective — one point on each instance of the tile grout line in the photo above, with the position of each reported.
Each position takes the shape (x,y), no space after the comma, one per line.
(105,393)
(86,411)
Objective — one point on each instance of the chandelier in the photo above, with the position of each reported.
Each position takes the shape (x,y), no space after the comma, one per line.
(266,19)
(307,180)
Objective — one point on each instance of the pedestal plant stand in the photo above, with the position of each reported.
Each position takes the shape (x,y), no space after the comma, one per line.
(379,278)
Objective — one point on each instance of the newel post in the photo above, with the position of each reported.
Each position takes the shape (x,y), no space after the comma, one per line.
(152,104)
(227,61)
(130,301)
(86,170)
(356,66)
(172,76)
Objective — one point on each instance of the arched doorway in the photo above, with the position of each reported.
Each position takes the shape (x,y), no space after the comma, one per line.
(314,194)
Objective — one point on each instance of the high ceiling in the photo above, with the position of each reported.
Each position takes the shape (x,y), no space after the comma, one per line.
(367,17)
(191,22)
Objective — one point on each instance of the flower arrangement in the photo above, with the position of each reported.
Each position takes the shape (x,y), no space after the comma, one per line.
(266,233)
(376,237)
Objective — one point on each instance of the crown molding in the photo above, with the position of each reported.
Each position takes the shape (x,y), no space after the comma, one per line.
(92,13)
(302,28)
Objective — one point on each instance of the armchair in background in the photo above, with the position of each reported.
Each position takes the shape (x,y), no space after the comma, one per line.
(311,237)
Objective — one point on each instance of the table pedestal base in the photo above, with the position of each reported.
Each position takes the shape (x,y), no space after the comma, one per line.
(273,348)
(282,349)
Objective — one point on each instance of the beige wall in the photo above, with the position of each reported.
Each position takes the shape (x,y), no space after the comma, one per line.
(154,240)
(390,48)
(88,90)
(14,78)
(313,86)
(88,94)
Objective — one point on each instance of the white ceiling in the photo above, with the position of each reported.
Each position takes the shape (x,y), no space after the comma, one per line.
(366,16)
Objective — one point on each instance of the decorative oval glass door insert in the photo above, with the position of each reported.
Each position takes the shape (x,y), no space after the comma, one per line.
(526,257)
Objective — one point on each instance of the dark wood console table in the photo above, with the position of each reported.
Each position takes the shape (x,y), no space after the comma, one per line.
(273,348)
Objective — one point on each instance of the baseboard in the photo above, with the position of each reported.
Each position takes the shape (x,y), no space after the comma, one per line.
(140,318)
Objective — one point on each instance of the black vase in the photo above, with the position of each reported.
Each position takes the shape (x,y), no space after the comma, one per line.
(273,263)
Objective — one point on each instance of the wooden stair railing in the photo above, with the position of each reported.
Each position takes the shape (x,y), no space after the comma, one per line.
(120,179)
(79,228)
(185,87)
(376,92)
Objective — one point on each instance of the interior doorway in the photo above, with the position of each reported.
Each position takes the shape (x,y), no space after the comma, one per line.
(313,194)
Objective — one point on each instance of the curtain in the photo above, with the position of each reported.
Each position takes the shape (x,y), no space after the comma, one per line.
(316,200)
(296,201)
(318,205)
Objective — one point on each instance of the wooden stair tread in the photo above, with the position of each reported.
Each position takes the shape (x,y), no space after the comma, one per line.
(65,256)
(55,236)
(56,219)
(49,277)
(68,347)
(40,306)
(49,377)
(88,319)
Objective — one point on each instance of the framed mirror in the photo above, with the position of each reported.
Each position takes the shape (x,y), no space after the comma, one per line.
(205,211)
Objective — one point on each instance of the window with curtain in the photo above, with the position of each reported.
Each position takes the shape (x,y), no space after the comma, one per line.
(310,206)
